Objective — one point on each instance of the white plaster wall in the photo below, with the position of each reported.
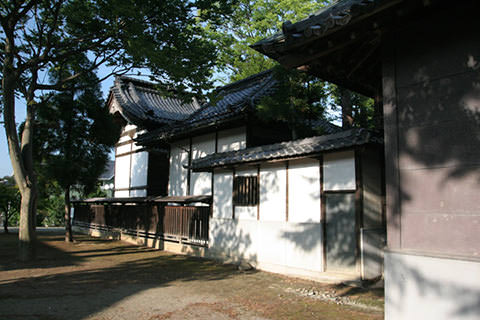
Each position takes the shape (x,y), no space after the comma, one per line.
(122,194)
(222,197)
(273,192)
(270,243)
(232,139)
(304,191)
(339,171)
(421,287)
(122,172)
(139,169)
(124,139)
(124,149)
(138,193)
(177,184)
(246,212)
(201,182)
(293,248)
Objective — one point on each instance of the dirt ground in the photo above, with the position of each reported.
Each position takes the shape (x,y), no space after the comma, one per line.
(105,279)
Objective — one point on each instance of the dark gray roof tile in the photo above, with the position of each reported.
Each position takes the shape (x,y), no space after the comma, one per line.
(233,100)
(286,150)
(336,15)
(141,103)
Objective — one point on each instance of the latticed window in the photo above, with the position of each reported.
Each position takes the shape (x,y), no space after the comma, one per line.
(245,191)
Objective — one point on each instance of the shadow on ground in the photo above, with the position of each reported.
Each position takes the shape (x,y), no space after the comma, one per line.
(93,278)
(66,278)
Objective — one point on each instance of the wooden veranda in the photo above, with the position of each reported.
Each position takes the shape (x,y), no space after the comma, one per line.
(177,219)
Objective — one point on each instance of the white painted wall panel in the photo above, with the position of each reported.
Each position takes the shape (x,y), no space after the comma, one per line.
(139,169)
(292,248)
(122,194)
(339,171)
(122,172)
(303,246)
(273,192)
(200,182)
(203,146)
(177,185)
(304,191)
(138,193)
(222,198)
(124,149)
(246,172)
(246,212)
(232,139)
(422,287)
(124,139)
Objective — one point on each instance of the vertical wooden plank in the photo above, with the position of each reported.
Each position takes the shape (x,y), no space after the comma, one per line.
(323,216)
(189,172)
(130,167)
(286,192)
(391,136)
(258,202)
(234,195)
(213,184)
(358,205)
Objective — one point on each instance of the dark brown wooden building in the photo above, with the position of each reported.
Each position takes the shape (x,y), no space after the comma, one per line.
(422,60)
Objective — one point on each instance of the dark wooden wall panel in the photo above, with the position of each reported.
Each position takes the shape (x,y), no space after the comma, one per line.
(436,104)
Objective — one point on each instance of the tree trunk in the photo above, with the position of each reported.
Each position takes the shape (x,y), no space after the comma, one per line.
(5,221)
(347,110)
(24,181)
(26,234)
(68,223)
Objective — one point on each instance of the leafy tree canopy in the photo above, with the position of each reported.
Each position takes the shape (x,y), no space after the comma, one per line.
(299,100)
(75,131)
(251,21)
(39,35)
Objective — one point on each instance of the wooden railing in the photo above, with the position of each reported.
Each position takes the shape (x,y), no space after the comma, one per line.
(186,224)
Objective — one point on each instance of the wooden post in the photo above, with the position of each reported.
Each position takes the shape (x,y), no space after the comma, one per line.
(286,191)
(358,206)
(259,188)
(323,216)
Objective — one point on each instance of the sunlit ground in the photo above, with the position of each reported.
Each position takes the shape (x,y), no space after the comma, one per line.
(105,279)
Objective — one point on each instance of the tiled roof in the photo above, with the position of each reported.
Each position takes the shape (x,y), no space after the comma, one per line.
(324,21)
(141,104)
(233,100)
(108,173)
(287,150)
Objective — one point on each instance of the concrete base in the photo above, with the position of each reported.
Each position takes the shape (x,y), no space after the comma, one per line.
(422,287)
(159,244)
(197,251)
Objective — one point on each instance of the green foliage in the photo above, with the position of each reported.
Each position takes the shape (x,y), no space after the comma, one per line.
(51,202)
(9,200)
(165,36)
(363,111)
(250,22)
(75,133)
(299,101)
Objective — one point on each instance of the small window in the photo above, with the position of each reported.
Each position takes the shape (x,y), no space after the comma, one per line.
(245,191)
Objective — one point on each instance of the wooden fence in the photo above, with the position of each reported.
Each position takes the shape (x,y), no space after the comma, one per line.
(187,224)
